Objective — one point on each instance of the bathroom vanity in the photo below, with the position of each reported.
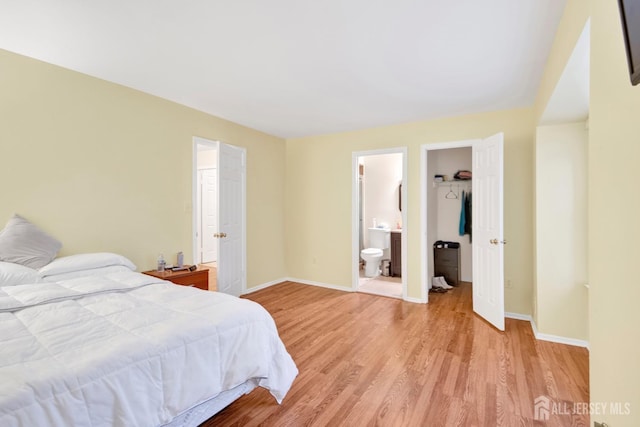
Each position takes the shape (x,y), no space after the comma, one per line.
(396,253)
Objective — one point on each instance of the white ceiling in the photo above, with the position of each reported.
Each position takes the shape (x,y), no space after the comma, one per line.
(300,67)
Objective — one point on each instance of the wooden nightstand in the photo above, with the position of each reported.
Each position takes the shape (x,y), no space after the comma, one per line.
(198,278)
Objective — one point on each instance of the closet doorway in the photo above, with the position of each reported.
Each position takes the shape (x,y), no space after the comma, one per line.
(480,256)
(448,204)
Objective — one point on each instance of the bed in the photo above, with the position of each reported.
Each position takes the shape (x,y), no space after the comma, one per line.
(87,341)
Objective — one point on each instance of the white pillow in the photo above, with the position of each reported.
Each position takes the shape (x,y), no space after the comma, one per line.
(21,242)
(100,271)
(12,274)
(87,261)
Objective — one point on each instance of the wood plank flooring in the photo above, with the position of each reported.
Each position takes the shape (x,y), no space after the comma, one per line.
(366,360)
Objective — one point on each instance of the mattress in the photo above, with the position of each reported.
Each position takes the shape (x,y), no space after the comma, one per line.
(128,349)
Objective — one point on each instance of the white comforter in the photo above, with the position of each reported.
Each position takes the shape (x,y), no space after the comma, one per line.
(127,349)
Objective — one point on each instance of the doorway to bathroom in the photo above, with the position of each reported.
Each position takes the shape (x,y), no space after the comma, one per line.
(378,216)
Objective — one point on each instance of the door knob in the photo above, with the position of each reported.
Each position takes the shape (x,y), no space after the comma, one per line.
(493,241)
(223,235)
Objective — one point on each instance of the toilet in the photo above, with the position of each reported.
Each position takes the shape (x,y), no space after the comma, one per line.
(379,239)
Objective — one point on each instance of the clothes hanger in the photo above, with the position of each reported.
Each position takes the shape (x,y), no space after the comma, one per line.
(451,194)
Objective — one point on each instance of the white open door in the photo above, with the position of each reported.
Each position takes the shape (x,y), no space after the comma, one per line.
(209,187)
(487,229)
(231,220)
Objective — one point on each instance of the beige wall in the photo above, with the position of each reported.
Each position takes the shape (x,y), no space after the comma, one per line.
(613,208)
(382,177)
(319,185)
(106,168)
(561,230)
(614,228)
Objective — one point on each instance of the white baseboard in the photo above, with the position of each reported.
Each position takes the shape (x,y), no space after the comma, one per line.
(302,281)
(517,316)
(346,289)
(415,300)
(264,285)
(547,337)
(320,284)
(291,279)
(558,339)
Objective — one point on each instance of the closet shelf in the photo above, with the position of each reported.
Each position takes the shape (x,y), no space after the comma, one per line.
(453,182)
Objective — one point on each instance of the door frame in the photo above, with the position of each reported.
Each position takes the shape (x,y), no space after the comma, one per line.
(355,218)
(193,207)
(424,211)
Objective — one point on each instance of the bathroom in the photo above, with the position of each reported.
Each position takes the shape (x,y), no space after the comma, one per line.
(380,224)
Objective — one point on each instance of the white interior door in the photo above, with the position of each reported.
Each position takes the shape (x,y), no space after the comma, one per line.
(487,229)
(209,217)
(231,221)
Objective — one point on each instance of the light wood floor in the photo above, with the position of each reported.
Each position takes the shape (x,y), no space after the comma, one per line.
(366,360)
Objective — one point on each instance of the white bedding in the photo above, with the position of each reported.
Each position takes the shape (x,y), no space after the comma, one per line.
(128,349)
